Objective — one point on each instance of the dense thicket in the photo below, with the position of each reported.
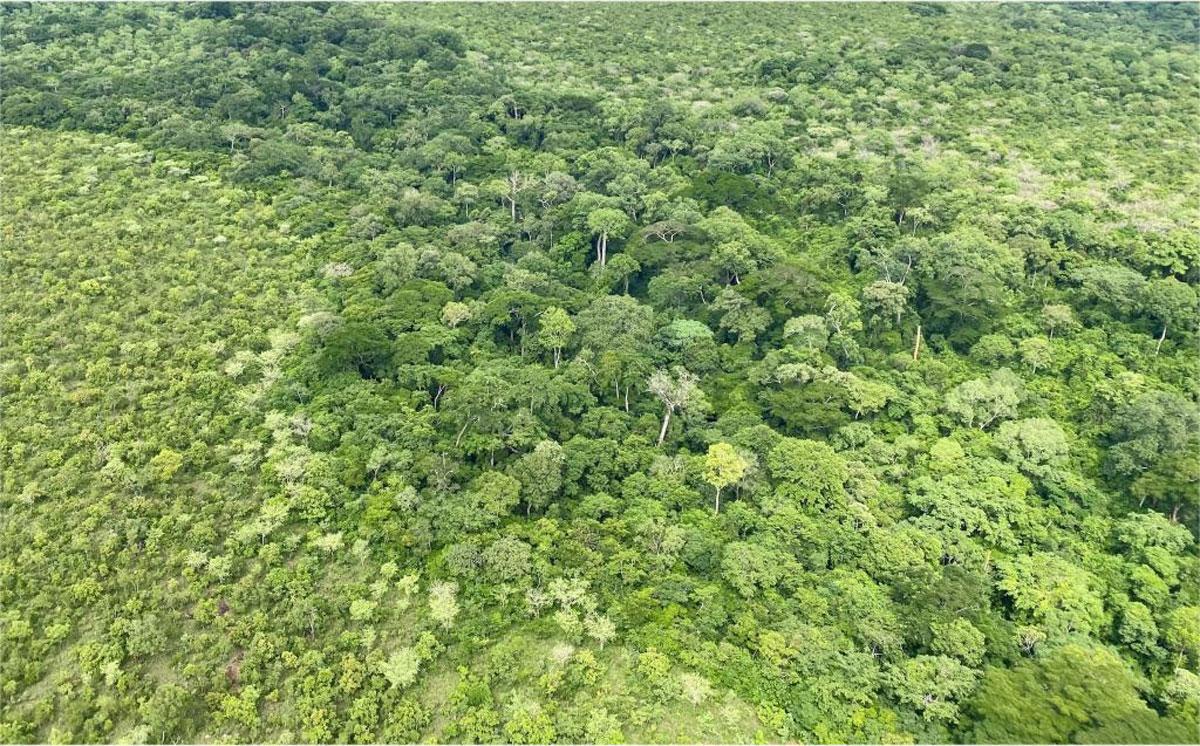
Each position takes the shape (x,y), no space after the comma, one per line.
(597,373)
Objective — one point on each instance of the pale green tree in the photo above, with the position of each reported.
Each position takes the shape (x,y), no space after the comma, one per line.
(401,667)
(443,603)
(677,390)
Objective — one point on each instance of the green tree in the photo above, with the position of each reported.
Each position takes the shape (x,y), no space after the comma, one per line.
(677,390)
(1037,446)
(623,267)
(1076,689)
(540,473)
(1056,316)
(885,302)
(959,639)
(933,685)
(968,278)
(808,471)
(1049,591)
(605,223)
(554,331)
(723,466)
(1170,302)
(980,402)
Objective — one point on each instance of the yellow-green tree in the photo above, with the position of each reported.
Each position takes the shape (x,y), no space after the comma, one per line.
(723,466)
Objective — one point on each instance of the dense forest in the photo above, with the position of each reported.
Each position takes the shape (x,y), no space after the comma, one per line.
(599,373)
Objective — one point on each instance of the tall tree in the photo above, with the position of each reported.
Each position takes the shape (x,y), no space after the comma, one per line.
(678,390)
(723,466)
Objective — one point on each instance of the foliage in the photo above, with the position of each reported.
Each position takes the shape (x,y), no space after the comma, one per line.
(653,373)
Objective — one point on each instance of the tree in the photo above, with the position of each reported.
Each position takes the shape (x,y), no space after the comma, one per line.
(443,604)
(885,302)
(843,317)
(1181,630)
(510,189)
(665,230)
(466,195)
(695,688)
(1111,285)
(1037,446)
(455,313)
(807,332)
(240,709)
(1036,352)
(723,466)
(933,685)
(164,710)
(967,277)
(620,329)
(355,345)
(481,403)
(1138,630)
(1056,316)
(808,471)
(738,247)
(540,473)
(557,188)
(1153,425)
(623,267)
(760,145)
(980,402)
(529,723)
(1155,449)
(1075,689)
(1170,302)
(600,628)
(508,559)
(1051,592)
(735,259)
(616,321)
(493,495)
(677,390)
(604,223)
(401,667)
(739,315)
(689,343)
(165,464)
(959,639)
(751,568)
(361,610)
(555,330)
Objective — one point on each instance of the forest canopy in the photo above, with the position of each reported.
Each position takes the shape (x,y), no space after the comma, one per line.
(599,373)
